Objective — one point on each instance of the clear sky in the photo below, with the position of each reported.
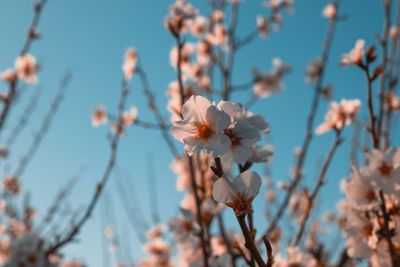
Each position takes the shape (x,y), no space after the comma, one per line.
(89,38)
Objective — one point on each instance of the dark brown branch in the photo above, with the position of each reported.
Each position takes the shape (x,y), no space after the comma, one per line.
(387,233)
(250,245)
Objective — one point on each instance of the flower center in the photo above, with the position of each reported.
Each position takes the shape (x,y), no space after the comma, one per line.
(204,131)
(235,140)
(241,205)
(370,195)
(385,169)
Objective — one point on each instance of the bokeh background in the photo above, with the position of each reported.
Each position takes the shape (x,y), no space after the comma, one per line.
(89,38)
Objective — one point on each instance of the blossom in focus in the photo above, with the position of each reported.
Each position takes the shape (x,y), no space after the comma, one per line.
(26,68)
(339,115)
(202,127)
(242,133)
(355,55)
(329,11)
(129,65)
(99,116)
(238,193)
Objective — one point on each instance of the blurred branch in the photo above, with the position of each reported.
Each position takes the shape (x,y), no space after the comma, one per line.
(41,133)
(160,120)
(31,36)
(310,123)
(23,120)
(114,141)
(319,183)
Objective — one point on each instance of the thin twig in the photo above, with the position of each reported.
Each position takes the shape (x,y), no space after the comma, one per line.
(114,141)
(31,36)
(310,123)
(319,183)
(41,133)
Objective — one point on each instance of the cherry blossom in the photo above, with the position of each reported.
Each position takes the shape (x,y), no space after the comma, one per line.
(355,55)
(26,68)
(99,116)
(238,193)
(202,127)
(129,117)
(329,11)
(9,75)
(130,60)
(339,115)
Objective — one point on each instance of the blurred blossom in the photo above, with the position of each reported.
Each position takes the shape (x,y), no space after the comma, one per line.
(26,68)
(355,55)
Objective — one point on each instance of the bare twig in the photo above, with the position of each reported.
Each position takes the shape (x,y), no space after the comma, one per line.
(310,123)
(23,120)
(31,36)
(41,133)
(114,141)
(319,183)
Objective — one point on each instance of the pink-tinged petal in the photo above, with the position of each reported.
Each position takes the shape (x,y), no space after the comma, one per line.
(218,119)
(181,130)
(248,184)
(322,128)
(392,155)
(245,130)
(193,145)
(195,108)
(259,122)
(222,191)
(218,145)
(234,109)
(242,153)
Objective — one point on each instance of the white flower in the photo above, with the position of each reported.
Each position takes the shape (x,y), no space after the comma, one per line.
(26,68)
(360,191)
(329,11)
(339,115)
(383,169)
(129,65)
(238,193)
(8,75)
(294,257)
(262,25)
(129,117)
(99,116)
(355,55)
(261,154)
(202,127)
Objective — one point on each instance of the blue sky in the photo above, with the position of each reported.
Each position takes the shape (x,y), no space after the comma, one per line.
(89,39)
